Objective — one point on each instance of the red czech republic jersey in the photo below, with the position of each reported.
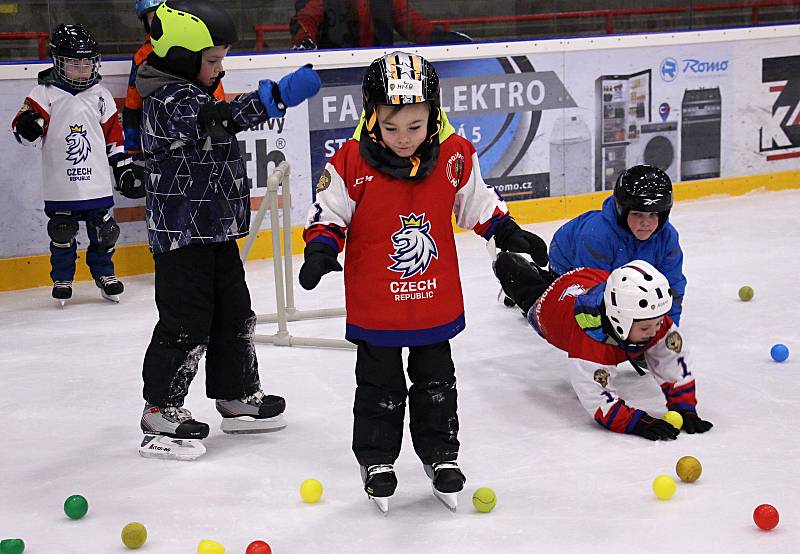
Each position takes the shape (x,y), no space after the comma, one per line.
(402,285)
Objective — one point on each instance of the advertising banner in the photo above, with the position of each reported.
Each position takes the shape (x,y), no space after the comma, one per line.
(548,120)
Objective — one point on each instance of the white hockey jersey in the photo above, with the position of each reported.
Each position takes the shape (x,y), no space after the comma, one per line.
(82,131)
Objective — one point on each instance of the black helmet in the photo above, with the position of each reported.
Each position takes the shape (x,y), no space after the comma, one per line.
(643,188)
(70,43)
(182,29)
(400,78)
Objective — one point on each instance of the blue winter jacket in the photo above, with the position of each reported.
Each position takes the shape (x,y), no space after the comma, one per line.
(596,239)
(197,190)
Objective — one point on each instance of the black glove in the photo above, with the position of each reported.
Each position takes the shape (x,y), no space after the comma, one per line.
(129,176)
(216,119)
(29,125)
(692,423)
(509,236)
(307,43)
(654,429)
(320,259)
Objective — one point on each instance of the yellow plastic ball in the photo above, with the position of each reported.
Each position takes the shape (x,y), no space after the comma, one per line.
(484,499)
(664,487)
(134,535)
(673,418)
(210,547)
(311,491)
(746,293)
(689,469)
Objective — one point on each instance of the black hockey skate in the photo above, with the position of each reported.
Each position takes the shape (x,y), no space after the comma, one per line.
(522,281)
(171,433)
(380,483)
(110,287)
(257,413)
(447,481)
(62,291)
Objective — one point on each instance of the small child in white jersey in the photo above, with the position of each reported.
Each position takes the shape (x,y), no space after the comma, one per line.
(77,120)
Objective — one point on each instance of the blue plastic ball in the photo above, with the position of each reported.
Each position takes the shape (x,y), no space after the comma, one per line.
(779,352)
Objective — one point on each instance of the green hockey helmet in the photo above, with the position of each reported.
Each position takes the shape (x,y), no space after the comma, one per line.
(182,29)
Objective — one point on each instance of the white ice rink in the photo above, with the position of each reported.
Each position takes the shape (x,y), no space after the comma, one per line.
(71,401)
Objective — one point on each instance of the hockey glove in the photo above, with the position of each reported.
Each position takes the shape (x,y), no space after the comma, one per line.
(693,424)
(654,429)
(320,259)
(307,43)
(129,176)
(217,121)
(29,125)
(509,236)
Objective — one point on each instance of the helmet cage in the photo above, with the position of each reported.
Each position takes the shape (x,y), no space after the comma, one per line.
(634,292)
(76,56)
(69,70)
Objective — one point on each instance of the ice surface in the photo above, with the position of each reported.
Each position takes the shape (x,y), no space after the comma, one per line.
(71,398)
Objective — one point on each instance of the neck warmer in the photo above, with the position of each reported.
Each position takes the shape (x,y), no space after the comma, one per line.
(382,158)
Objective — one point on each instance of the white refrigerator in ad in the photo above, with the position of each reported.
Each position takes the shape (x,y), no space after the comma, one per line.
(623,107)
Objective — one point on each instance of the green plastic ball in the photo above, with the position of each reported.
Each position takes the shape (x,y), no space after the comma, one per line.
(746,293)
(76,506)
(12,546)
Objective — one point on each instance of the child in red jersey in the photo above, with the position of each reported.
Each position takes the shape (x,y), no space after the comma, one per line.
(601,320)
(390,193)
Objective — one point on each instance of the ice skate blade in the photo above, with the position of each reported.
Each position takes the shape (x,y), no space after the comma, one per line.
(449,499)
(382,503)
(110,297)
(247,424)
(168,448)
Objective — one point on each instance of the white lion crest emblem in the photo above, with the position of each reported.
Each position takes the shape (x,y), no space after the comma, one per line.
(78,146)
(414,246)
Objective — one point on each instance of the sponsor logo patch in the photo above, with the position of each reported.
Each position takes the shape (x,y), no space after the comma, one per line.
(324,181)
(601,377)
(674,342)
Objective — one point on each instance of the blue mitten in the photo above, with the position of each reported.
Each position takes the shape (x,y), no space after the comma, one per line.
(299,86)
(290,91)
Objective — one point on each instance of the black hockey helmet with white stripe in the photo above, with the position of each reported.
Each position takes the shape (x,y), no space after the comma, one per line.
(643,188)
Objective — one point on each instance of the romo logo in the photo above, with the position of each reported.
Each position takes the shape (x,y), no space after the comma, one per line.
(702,66)
(669,69)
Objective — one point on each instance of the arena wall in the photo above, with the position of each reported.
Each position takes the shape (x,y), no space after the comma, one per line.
(553,122)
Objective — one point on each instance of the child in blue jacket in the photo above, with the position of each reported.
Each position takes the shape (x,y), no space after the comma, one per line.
(632,225)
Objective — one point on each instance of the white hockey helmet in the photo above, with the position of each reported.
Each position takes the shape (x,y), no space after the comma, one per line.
(633,292)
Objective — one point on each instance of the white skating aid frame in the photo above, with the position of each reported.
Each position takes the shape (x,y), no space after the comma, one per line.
(284,276)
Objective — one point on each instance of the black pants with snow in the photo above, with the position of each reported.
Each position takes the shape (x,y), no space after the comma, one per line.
(203,307)
(380,403)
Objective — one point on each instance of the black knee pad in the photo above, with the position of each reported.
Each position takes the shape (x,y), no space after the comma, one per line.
(62,228)
(107,231)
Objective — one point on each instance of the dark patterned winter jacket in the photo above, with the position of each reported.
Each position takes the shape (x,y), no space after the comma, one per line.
(197,192)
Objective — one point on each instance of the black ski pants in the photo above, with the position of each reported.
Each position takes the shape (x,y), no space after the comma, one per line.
(380,403)
(203,307)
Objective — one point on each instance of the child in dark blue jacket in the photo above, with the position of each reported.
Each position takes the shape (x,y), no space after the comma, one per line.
(632,225)
(198,203)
